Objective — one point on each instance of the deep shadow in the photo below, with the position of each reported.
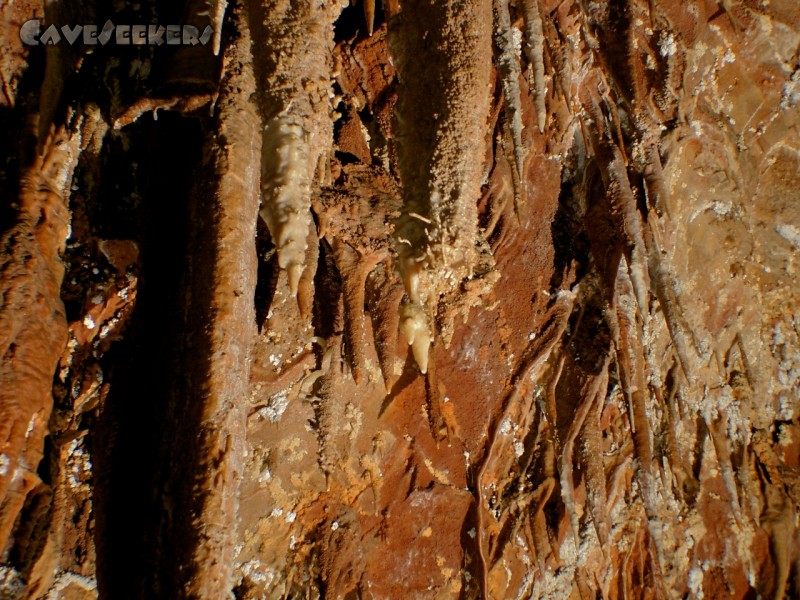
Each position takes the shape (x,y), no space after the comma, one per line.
(570,242)
(18,141)
(268,270)
(135,416)
(325,317)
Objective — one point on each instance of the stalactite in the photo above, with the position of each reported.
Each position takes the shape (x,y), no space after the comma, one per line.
(385,295)
(216,13)
(595,392)
(369,15)
(508,66)
(440,144)
(615,178)
(591,459)
(534,50)
(292,46)
(358,229)
(354,268)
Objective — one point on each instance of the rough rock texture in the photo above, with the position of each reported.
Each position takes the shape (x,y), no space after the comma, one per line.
(539,337)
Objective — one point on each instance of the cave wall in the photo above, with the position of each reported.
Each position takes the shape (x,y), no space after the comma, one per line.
(407,300)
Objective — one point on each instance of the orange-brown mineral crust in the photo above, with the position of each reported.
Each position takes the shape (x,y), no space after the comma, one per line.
(481,300)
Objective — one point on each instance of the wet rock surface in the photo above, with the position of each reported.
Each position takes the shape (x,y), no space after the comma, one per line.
(519,317)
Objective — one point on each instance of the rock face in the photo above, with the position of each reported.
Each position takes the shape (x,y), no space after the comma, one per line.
(519,318)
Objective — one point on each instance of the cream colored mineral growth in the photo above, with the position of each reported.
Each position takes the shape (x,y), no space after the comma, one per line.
(519,316)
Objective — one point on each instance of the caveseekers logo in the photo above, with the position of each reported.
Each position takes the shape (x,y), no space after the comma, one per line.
(31,34)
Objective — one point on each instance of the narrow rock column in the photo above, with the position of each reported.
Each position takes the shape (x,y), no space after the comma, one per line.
(201,495)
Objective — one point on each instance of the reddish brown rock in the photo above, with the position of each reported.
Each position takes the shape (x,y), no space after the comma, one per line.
(610,405)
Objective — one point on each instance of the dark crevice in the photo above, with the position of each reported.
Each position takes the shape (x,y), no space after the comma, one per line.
(136,414)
